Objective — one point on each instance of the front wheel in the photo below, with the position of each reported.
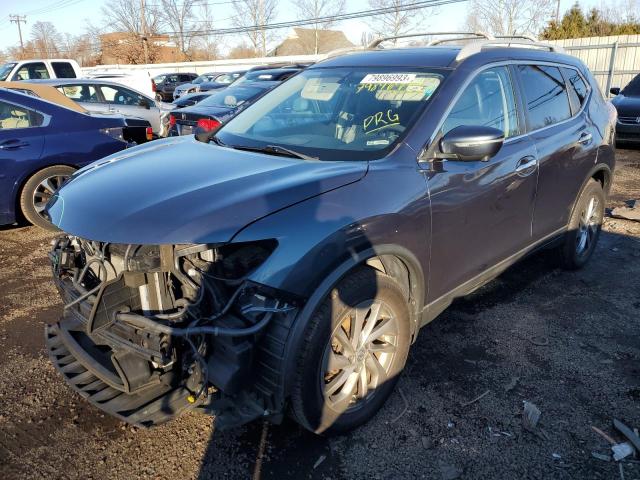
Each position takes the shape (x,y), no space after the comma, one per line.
(584,227)
(38,190)
(354,350)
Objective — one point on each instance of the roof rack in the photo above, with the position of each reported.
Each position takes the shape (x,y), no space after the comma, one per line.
(520,41)
(471,35)
(476,42)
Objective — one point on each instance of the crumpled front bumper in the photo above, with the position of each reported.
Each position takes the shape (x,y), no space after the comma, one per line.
(105,368)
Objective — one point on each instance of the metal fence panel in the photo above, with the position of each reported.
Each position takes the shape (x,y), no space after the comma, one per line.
(613,60)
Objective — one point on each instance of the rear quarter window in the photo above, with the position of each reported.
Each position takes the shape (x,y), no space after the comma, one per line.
(63,70)
(578,89)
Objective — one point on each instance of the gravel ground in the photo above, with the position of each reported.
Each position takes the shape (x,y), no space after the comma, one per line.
(567,341)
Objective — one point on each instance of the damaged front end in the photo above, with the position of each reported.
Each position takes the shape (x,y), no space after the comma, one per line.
(150,331)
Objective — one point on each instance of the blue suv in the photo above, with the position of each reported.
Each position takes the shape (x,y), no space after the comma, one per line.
(285,263)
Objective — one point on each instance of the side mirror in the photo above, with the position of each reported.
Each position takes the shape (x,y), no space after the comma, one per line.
(614,90)
(471,143)
(144,103)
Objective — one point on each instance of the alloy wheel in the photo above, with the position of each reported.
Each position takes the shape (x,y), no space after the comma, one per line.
(359,356)
(588,226)
(45,190)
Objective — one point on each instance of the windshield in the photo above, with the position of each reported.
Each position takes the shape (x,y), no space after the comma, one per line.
(227,77)
(232,97)
(203,78)
(633,88)
(5,70)
(336,113)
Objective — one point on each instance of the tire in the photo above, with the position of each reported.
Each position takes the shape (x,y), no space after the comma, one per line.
(37,191)
(321,398)
(584,227)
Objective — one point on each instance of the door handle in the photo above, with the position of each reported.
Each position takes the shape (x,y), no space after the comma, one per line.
(13,144)
(526,165)
(585,138)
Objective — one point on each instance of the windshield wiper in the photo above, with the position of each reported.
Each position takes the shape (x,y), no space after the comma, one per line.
(276,150)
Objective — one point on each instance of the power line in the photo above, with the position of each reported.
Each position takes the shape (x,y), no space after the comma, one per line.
(317,20)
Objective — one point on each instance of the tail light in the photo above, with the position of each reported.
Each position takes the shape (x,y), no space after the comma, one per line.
(116,133)
(149,133)
(153,86)
(208,124)
(172,120)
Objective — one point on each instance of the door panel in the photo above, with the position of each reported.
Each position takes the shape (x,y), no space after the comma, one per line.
(21,144)
(566,145)
(481,214)
(481,211)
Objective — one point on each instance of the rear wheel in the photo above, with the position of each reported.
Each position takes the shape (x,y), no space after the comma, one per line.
(584,227)
(38,190)
(355,348)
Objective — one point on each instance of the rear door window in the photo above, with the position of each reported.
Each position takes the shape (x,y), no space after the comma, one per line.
(547,101)
(14,116)
(578,90)
(488,101)
(63,70)
(32,71)
(120,96)
(80,93)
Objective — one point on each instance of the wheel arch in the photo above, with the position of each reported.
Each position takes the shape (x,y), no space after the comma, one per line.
(20,184)
(393,260)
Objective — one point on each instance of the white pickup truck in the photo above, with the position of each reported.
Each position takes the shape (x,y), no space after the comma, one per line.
(39,69)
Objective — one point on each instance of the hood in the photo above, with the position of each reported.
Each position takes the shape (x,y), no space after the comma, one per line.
(627,106)
(179,190)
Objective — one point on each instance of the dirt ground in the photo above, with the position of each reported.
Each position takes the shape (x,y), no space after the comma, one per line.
(567,341)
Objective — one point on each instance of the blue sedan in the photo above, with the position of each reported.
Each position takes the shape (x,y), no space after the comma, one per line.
(41,145)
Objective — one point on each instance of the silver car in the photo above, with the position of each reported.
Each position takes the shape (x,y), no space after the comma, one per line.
(109,97)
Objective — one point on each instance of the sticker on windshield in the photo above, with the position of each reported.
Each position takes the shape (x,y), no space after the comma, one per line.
(388,78)
(318,89)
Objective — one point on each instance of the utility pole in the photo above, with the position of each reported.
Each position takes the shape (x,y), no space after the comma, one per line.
(558,12)
(145,40)
(18,19)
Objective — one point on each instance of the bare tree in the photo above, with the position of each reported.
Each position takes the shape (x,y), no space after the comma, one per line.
(125,16)
(254,15)
(398,21)
(316,9)
(510,17)
(131,30)
(180,16)
(45,39)
(207,42)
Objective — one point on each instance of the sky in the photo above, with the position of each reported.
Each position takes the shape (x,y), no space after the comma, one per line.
(72,16)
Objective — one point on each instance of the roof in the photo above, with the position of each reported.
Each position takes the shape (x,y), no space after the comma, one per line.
(439,57)
(46,92)
(80,81)
(396,57)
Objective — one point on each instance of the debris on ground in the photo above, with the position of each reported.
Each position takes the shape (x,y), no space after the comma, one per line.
(319,461)
(539,340)
(530,416)
(479,397)
(404,410)
(601,456)
(512,384)
(627,432)
(556,456)
(603,435)
(629,212)
(622,450)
